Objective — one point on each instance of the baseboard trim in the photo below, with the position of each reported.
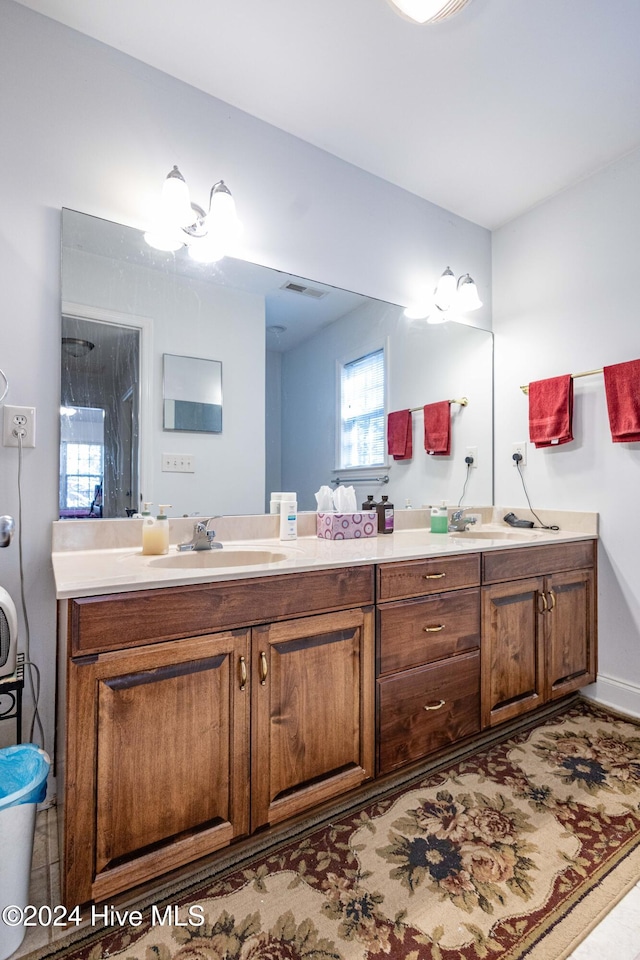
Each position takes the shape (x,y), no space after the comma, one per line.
(615,693)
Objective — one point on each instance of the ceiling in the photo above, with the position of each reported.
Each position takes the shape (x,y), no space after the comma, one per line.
(486,114)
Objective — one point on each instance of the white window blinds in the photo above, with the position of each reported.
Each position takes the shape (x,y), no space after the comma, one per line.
(362,411)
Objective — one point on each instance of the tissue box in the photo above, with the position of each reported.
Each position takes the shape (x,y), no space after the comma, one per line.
(347,526)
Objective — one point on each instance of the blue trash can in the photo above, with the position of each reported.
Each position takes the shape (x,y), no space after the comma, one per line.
(23,785)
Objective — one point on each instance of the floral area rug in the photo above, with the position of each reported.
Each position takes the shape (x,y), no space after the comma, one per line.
(515,852)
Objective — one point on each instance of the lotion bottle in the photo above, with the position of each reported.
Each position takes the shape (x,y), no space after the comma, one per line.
(289,520)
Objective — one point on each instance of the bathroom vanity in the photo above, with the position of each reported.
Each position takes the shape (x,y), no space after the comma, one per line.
(200,705)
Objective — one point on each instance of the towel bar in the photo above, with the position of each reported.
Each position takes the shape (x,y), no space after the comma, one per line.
(384,479)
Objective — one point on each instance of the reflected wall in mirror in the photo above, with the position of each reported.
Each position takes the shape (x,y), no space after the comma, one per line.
(283,341)
(192,394)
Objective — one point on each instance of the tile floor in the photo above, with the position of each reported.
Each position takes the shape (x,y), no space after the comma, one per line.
(617,936)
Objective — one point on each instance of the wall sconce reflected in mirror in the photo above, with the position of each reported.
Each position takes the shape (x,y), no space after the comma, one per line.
(427,11)
(209,235)
(451,298)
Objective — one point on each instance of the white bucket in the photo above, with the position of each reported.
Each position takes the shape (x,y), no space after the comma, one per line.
(17,828)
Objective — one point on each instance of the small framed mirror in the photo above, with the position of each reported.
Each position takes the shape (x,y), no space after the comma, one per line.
(192,394)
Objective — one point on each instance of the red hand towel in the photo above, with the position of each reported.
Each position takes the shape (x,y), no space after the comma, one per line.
(622,387)
(399,435)
(437,428)
(551,411)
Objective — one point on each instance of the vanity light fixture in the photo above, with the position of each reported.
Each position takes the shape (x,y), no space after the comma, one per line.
(179,223)
(450,299)
(427,11)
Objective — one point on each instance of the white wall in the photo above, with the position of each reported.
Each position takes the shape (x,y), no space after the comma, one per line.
(88,128)
(425,363)
(565,300)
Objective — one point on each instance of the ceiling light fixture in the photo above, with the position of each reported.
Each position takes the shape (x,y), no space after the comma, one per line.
(427,11)
(77,347)
(450,299)
(179,222)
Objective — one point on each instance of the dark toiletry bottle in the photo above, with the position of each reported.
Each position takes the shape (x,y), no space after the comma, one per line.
(385,515)
(369,503)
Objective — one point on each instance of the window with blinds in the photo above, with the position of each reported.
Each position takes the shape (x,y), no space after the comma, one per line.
(362,391)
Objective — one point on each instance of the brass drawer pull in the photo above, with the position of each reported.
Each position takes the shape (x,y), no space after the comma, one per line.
(552,600)
(434,629)
(243,673)
(263,667)
(436,706)
(545,605)
(434,576)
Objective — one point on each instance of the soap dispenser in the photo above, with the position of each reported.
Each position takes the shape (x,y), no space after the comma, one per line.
(155,533)
(440,518)
(148,523)
(162,528)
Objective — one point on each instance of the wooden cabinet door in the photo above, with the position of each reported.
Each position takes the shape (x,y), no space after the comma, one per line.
(157,761)
(313,712)
(512,649)
(570,621)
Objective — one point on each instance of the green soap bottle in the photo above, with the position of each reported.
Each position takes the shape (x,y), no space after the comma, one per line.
(440,518)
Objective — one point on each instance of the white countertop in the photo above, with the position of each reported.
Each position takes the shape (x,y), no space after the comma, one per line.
(91,572)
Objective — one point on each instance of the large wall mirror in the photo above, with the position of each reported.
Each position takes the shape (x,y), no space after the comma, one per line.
(281,342)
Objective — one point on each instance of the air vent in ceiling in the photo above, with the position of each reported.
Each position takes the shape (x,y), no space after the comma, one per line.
(312,292)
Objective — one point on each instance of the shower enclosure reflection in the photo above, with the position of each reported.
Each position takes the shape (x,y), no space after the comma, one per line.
(99,436)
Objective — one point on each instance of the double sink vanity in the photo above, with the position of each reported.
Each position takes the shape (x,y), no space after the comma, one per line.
(205,696)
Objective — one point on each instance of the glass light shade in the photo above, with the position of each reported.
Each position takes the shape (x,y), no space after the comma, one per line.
(207,249)
(175,205)
(222,218)
(445,290)
(467,298)
(439,316)
(165,239)
(428,11)
(418,310)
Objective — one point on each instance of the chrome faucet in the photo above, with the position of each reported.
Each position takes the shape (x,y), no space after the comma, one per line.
(203,538)
(458,523)
(7,526)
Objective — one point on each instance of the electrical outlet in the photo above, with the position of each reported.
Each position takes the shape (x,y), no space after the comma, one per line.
(520,448)
(19,422)
(473,452)
(178,463)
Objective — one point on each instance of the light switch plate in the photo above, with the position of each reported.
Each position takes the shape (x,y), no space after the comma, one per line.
(178,463)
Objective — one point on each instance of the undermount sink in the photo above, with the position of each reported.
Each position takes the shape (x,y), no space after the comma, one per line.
(523,534)
(207,559)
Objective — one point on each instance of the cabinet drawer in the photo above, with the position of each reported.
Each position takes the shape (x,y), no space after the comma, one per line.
(537,561)
(416,578)
(413,632)
(124,620)
(425,709)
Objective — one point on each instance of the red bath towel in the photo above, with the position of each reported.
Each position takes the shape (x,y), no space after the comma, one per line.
(551,411)
(437,428)
(399,435)
(622,387)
